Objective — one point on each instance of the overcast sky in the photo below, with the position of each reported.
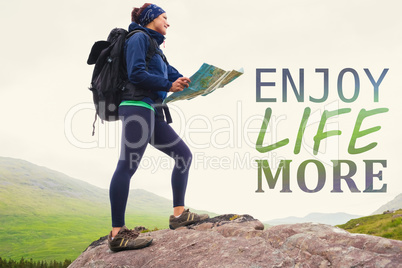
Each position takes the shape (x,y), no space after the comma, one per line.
(47,112)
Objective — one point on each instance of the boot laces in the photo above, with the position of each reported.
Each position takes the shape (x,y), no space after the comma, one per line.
(130,234)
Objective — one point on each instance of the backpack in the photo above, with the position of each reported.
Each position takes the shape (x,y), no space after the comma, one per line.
(109,77)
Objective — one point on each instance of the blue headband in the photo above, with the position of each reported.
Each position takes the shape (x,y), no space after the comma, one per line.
(149,14)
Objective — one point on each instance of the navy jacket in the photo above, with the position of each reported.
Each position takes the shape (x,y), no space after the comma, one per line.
(160,76)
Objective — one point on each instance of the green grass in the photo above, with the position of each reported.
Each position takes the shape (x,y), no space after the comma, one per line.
(60,237)
(384,225)
(46,215)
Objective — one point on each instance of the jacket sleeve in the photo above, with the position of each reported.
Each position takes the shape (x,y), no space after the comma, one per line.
(173,73)
(136,50)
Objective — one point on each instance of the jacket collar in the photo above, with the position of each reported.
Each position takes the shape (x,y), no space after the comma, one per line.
(154,34)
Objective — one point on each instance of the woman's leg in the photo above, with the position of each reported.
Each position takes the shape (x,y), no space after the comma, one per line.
(166,140)
(138,125)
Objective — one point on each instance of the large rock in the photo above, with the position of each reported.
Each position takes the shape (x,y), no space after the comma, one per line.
(241,241)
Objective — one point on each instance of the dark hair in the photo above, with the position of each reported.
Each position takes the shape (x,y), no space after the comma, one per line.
(136,13)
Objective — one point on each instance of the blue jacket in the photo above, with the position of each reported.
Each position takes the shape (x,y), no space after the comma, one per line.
(160,76)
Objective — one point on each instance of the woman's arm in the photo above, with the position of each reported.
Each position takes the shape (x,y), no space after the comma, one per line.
(173,73)
(136,50)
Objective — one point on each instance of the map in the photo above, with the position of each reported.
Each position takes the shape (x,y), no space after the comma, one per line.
(206,80)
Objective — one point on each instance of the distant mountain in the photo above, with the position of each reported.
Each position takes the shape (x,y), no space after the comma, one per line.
(394,204)
(28,189)
(47,215)
(325,218)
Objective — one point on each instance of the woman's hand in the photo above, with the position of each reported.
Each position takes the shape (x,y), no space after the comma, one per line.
(180,84)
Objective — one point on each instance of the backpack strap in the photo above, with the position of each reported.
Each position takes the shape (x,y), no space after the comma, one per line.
(137,93)
(152,49)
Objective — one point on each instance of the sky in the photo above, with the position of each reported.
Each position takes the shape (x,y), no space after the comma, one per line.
(47,111)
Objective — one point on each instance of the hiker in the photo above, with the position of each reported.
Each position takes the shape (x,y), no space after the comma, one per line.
(143,119)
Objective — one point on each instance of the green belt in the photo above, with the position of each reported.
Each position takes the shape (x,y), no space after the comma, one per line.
(137,103)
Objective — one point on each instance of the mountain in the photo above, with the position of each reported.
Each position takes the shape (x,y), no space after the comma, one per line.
(394,204)
(324,218)
(47,215)
(27,189)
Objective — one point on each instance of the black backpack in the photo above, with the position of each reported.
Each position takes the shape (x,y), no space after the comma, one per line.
(109,77)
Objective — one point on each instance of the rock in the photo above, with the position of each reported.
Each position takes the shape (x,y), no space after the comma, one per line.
(241,241)
(388,212)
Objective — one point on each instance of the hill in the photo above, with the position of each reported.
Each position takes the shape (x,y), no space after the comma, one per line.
(46,215)
(324,218)
(392,205)
(387,225)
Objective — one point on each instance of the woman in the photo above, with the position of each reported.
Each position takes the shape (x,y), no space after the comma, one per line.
(143,122)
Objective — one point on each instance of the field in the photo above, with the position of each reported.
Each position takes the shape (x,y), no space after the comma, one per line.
(59,237)
(46,215)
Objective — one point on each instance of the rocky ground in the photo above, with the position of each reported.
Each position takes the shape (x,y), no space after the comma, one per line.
(241,241)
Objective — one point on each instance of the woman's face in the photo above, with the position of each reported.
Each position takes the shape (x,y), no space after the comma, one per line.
(159,24)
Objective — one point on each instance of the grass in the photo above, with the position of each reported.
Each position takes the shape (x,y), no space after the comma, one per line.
(384,225)
(60,237)
(46,215)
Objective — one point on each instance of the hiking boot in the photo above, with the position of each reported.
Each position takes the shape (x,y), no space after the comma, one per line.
(128,239)
(186,218)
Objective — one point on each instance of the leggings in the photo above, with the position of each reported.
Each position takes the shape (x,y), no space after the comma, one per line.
(141,127)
